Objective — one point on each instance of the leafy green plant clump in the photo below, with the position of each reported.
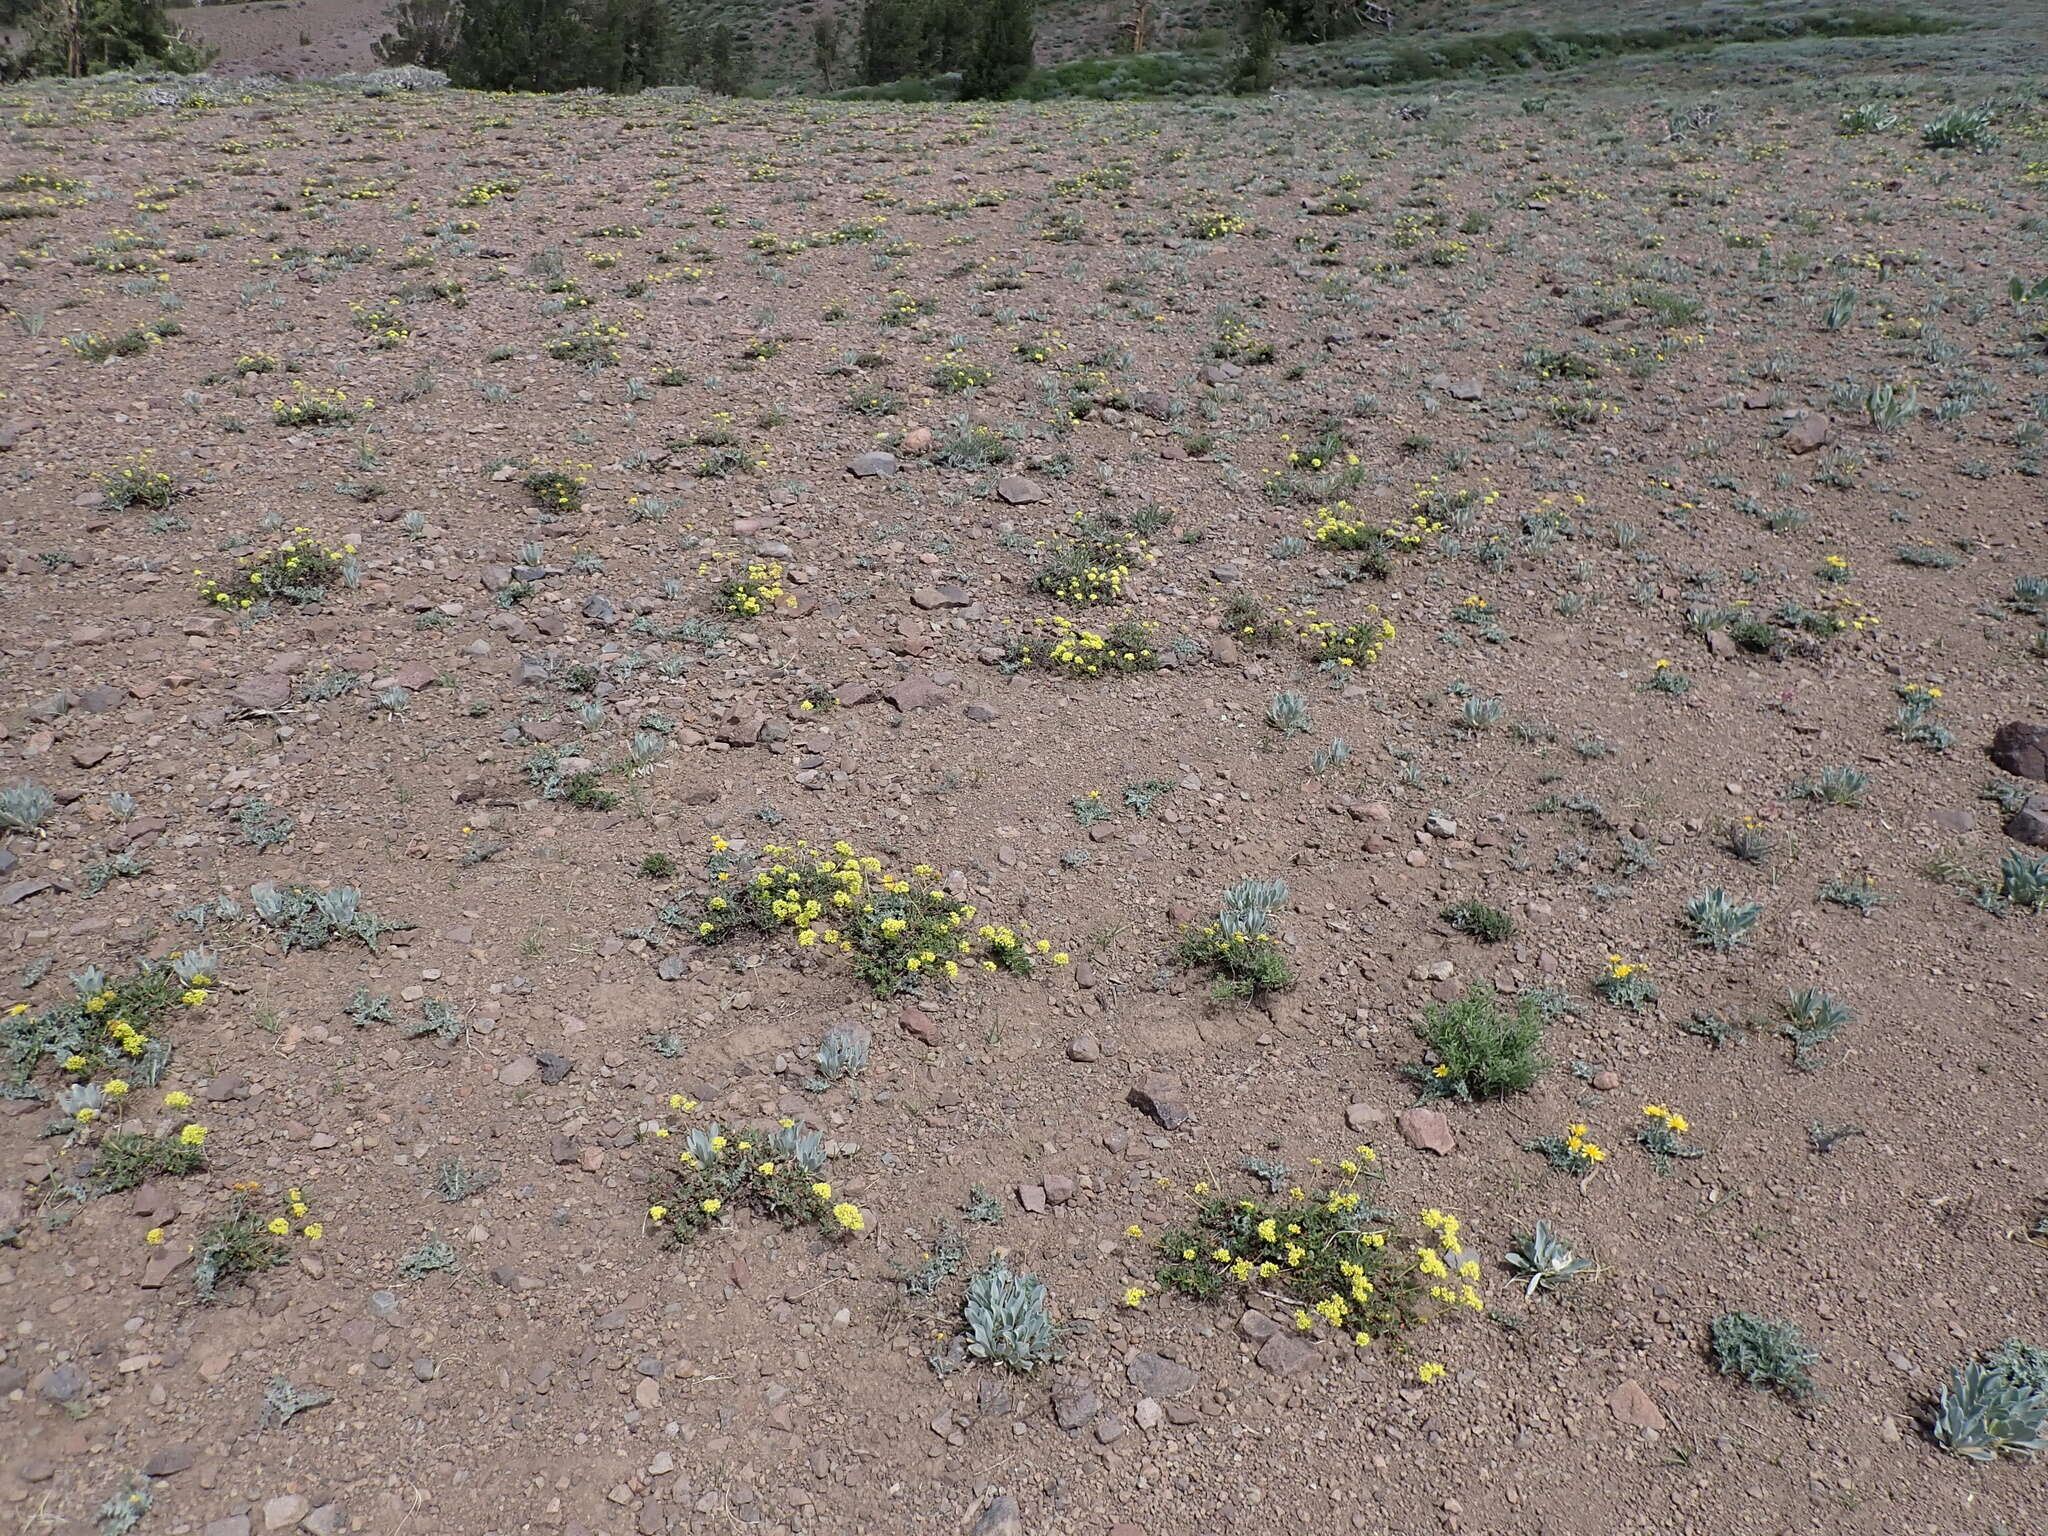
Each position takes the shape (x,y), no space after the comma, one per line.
(1762,1351)
(779,1174)
(1477,1048)
(1238,949)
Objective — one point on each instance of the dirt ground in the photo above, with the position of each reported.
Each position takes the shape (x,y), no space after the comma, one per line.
(1652,363)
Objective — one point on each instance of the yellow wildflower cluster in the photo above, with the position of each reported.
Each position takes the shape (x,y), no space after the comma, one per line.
(1357,644)
(298,571)
(310,407)
(896,931)
(1342,526)
(755,591)
(1674,1122)
(1333,1256)
(1079,652)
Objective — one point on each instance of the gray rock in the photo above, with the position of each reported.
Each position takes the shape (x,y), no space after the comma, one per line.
(945,595)
(599,610)
(1074,1404)
(1285,1355)
(1084,1048)
(1017,489)
(1000,1518)
(1157,1376)
(385,1306)
(65,1383)
(263,692)
(873,463)
(553,1068)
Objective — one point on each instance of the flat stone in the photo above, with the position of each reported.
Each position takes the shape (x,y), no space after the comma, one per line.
(1632,1404)
(263,692)
(915,693)
(285,1511)
(1363,1117)
(1810,433)
(1426,1130)
(170,1461)
(1157,1376)
(873,463)
(944,595)
(1017,489)
(1285,1355)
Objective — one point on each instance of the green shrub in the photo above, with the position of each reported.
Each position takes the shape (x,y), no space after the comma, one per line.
(1480,1050)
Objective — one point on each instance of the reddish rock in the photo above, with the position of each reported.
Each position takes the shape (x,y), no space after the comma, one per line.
(1426,1130)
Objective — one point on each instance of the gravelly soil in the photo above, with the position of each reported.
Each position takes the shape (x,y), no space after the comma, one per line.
(1588,344)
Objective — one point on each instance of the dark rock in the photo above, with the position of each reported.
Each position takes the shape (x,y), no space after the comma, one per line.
(553,1068)
(1000,1518)
(2021,747)
(1016,489)
(2029,824)
(1161,1095)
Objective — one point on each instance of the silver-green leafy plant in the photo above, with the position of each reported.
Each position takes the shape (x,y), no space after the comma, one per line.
(1960,128)
(1288,713)
(1328,759)
(1546,1259)
(124,1508)
(1997,1406)
(1009,1319)
(1812,1018)
(1718,922)
(25,806)
(842,1053)
(1764,1352)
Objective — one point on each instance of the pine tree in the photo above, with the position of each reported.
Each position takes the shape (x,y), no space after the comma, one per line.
(423,32)
(826,41)
(1002,54)
(90,37)
(952,31)
(891,40)
(1261,42)
(629,44)
(520,45)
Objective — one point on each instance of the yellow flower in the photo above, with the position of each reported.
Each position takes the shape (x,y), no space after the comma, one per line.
(822,1190)
(177,1099)
(849,1217)
(766,1170)
(1134,1296)
(656,1212)
(712,1207)
(153,1236)
(1134,1230)
(193,1136)
(1428,1371)
(277,1226)
(313,1231)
